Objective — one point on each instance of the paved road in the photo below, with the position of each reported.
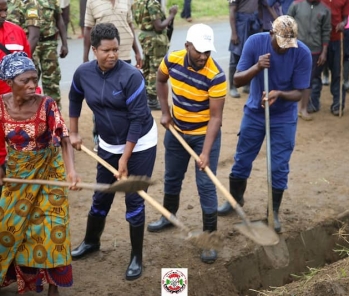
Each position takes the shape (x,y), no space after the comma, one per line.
(74,58)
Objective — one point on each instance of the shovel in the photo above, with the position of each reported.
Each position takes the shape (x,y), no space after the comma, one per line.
(277,254)
(130,185)
(257,231)
(200,239)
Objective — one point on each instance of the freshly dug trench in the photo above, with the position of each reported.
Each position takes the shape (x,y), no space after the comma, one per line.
(311,248)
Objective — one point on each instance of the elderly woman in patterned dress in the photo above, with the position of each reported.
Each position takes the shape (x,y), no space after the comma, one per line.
(34,219)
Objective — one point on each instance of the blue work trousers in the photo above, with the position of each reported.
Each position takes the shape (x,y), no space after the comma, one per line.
(251,137)
(140,163)
(176,164)
(334,64)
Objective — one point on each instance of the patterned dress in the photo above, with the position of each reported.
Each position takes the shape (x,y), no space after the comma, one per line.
(34,219)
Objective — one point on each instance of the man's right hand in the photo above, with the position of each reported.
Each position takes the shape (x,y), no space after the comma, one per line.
(173,10)
(166,120)
(264,61)
(235,39)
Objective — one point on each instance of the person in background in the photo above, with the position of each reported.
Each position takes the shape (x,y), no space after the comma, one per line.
(339,17)
(269,14)
(154,41)
(244,21)
(346,57)
(34,225)
(46,16)
(12,39)
(82,10)
(127,139)
(18,13)
(316,37)
(289,61)
(186,12)
(285,4)
(65,6)
(199,88)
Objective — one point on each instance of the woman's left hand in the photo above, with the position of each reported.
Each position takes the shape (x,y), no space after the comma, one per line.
(74,178)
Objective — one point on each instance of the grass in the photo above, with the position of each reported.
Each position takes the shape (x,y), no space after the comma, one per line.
(202,10)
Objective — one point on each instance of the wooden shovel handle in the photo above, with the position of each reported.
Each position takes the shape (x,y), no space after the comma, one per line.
(169,216)
(207,170)
(100,160)
(50,182)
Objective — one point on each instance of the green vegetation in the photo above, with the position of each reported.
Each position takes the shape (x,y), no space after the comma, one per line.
(201,10)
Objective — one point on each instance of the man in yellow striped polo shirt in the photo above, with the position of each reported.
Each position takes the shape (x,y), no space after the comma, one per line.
(199,88)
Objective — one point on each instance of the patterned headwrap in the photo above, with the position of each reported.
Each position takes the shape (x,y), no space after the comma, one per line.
(15,64)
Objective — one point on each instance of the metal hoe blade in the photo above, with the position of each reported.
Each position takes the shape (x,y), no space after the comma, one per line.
(131,184)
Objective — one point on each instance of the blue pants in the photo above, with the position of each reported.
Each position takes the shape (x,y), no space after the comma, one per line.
(176,164)
(186,12)
(251,137)
(334,65)
(140,163)
(316,84)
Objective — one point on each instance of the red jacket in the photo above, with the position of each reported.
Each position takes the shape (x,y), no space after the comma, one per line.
(339,10)
(14,39)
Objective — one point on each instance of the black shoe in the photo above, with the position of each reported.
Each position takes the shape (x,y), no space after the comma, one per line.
(159,225)
(208,256)
(209,222)
(225,209)
(134,269)
(171,203)
(237,189)
(277,224)
(84,249)
(91,243)
(336,112)
(155,106)
(153,102)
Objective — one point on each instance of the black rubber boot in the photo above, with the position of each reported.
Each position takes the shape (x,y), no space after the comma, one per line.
(91,242)
(171,203)
(277,198)
(237,189)
(134,269)
(209,224)
(153,102)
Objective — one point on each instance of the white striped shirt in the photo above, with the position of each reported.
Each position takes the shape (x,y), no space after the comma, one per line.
(103,11)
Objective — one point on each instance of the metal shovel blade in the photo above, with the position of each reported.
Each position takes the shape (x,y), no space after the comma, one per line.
(131,184)
(278,254)
(259,232)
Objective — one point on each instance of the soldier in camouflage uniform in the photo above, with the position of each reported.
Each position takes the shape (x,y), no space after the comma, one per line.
(153,23)
(46,15)
(23,14)
(46,55)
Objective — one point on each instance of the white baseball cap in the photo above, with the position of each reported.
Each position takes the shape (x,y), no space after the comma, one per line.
(201,36)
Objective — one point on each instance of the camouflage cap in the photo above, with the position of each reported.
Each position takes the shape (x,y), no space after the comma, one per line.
(286,30)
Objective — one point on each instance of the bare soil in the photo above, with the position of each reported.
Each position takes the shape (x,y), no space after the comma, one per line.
(317,191)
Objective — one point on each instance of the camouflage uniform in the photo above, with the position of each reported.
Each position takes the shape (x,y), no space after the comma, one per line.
(17,13)
(41,13)
(154,45)
(45,55)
